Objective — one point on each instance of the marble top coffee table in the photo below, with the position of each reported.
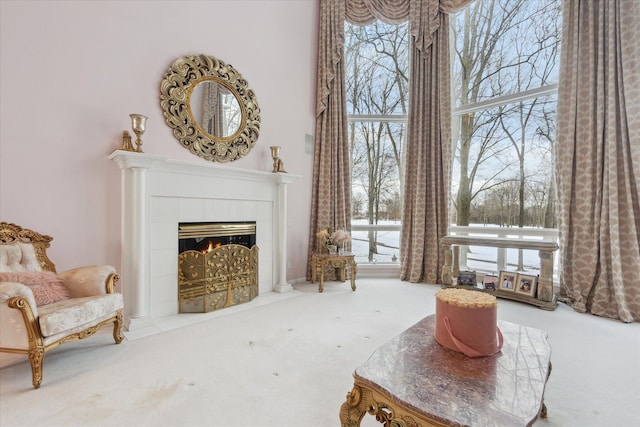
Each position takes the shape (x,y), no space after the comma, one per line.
(414,381)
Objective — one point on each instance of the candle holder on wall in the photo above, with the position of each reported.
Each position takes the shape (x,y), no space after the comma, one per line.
(278,166)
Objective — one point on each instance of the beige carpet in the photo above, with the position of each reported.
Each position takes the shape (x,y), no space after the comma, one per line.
(289,363)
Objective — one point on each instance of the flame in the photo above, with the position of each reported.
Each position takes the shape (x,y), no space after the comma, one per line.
(211,247)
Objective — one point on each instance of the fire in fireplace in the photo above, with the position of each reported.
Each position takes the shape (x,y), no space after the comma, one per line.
(217,265)
(200,236)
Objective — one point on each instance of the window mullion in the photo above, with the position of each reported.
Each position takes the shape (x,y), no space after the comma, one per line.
(376,118)
(507,99)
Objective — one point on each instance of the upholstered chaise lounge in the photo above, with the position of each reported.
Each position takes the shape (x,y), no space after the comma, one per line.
(40,309)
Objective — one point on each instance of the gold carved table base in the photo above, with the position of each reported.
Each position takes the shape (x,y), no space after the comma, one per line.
(361,401)
(342,263)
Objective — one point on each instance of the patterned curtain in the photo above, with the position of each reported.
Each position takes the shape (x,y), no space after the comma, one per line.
(331,186)
(428,195)
(427,163)
(598,158)
(425,214)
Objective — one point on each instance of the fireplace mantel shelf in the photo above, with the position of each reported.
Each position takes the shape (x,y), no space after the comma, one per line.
(158,193)
(131,159)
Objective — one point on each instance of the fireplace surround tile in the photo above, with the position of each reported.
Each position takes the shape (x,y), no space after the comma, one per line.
(163,209)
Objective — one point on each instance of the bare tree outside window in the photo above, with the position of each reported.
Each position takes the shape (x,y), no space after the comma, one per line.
(504,50)
(377,64)
(505,70)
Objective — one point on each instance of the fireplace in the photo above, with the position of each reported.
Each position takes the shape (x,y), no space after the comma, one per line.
(158,194)
(217,265)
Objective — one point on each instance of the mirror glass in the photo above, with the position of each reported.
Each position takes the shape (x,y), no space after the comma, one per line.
(215,108)
(210,108)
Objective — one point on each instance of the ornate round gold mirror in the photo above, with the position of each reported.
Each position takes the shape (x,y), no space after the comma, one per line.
(210,108)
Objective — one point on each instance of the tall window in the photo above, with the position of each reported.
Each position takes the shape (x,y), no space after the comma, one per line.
(505,58)
(377,66)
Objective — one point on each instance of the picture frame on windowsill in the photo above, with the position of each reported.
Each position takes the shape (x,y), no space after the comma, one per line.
(507,281)
(466,278)
(526,284)
(490,282)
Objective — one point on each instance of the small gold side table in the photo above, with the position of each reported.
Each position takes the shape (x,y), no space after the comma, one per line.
(344,263)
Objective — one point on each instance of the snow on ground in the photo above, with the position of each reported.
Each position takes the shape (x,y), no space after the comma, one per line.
(479,258)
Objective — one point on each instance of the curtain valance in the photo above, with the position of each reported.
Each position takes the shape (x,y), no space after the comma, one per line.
(421,14)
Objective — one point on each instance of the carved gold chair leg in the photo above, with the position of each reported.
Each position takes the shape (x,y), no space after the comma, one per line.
(117,328)
(36,344)
(36,359)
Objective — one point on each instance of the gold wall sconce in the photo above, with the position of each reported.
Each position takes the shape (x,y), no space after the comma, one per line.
(138,123)
(278,166)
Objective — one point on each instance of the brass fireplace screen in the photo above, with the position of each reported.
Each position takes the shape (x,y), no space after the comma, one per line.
(216,275)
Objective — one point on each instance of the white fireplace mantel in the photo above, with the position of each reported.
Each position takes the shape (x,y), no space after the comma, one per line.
(158,193)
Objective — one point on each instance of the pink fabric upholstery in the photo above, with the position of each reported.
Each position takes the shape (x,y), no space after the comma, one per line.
(46,286)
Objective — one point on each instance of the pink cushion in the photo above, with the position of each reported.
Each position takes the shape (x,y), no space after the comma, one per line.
(46,286)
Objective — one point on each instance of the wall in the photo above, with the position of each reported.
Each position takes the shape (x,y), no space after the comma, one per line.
(71,72)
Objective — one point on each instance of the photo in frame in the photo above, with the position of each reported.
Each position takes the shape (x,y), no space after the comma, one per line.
(466,278)
(507,281)
(490,282)
(526,284)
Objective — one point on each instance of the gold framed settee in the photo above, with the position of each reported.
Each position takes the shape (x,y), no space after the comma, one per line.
(31,329)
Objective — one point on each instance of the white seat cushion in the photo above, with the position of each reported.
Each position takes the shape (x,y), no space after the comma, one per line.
(71,313)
